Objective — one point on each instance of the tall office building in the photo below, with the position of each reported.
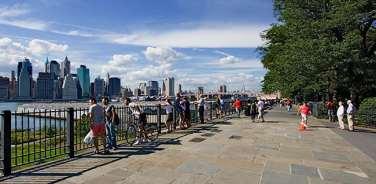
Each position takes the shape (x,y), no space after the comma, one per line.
(153,88)
(200,90)
(83,75)
(45,86)
(170,86)
(12,86)
(53,67)
(69,88)
(28,71)
(136,92)
(24,82)
(114,87)
(180,89)
(92,93)
(223,89)
(4,88)
(142,87)
(65,67)
(99,87)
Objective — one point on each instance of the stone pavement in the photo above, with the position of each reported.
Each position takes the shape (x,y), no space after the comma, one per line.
(235,151)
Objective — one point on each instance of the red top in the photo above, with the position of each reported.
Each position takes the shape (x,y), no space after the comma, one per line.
(237,104)
(305,109)
(329,105)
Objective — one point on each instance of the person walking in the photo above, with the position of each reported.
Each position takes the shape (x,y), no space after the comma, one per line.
(304,111)
(110,124)
(237,105)
(179,111)
(201,108)
(253,111)
(330,107)
(97,124)
(187,112)
(340,113)
(260,109)
(350,115)
(141,119)
(169,111)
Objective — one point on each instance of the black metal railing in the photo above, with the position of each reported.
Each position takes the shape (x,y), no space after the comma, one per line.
(34,137)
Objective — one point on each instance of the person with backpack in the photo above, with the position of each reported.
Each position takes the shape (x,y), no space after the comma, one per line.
(112,121)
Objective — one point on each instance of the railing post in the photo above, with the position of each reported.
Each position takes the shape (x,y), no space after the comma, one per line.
(70,132)
(159,118)
(6,143)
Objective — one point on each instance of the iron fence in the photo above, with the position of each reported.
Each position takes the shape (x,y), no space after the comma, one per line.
(34,137)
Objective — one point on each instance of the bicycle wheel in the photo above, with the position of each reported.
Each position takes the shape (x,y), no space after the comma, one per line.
(131,134)
(153,132)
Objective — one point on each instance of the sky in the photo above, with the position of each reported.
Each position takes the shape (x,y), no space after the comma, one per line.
(198,42)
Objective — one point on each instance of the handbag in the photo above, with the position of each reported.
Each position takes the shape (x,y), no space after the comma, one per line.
(89,138)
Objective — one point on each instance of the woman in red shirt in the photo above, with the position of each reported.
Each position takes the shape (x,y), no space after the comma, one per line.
(304,111)
(237,106)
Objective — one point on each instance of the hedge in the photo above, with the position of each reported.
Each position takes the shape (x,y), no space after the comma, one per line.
(367,112)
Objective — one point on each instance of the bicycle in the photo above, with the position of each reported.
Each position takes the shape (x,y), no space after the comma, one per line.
(133,131)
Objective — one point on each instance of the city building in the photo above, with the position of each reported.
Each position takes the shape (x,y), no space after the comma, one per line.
(69,88)
(137,92)
(65,67)
(58,88)
(153,88)
(99,87)
(180,89)
(53,67)
(223,89)
(28,71)
(4,88)
(13,86)
(169,86)
(45,86)
(163,90)
(25,81)
(142,87)
(200,90)
(126,92)
(83,75)
(92,89)
(114,87)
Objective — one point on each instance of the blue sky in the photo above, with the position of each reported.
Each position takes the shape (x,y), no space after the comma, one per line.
(199,42)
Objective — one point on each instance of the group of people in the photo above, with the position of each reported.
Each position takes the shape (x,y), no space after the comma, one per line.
(182,106)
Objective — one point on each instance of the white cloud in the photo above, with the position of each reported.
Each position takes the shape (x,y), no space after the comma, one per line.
(13,11)
(162,55)
(11,16)
(38,47)
(27,24)
(229,60)
(73,33)
(217,36)
(122,60)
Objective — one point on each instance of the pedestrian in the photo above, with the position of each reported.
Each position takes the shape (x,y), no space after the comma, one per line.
(218,106)
(97,124)
(179,111)
(222,107)
(110,124)
(253,111)
(237,105)
(141,119)
(350,115)
(169,111)
(187,112)
(260,109)
(289,105)
(330,107)
(201,108)
(340,113)
(304,111)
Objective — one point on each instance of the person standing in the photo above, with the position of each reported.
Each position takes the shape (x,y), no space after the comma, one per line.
(253,111)
(179,111)
(340,113)
(97,124)
(350,115)
(330,106)
(110,124)
(169,111)
(304,111)
(237,106)
(187,112)
(260,109)
(201,108)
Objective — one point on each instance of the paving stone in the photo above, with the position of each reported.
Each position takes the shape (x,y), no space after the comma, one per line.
(278,167)
(331,156)
(198,167)
(191,178)
(304,170)
(342,177)
(279,178)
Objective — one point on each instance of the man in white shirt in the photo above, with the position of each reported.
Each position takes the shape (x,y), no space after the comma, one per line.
(350,115)
(260,108)
(340,113)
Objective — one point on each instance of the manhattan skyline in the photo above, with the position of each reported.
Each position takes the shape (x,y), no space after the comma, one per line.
(206,43)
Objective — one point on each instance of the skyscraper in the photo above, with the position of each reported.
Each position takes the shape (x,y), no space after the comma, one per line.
(153,88)
(180,89)
(12,85)
(45,86)
(65,67)
(24,82)
(4,87)
(223,89)
(170,86)
(69,88)
(142,87)
(200,90)
(114,87)
(53,67)
(99,87)
(83,75)
(29,71)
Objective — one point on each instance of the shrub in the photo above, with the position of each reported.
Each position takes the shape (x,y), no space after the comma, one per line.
(367,112)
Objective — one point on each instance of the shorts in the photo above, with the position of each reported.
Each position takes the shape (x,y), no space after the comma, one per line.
(99,129)
(304,117)
(170,117)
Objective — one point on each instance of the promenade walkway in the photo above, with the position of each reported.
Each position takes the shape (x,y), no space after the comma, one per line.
(236,151)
